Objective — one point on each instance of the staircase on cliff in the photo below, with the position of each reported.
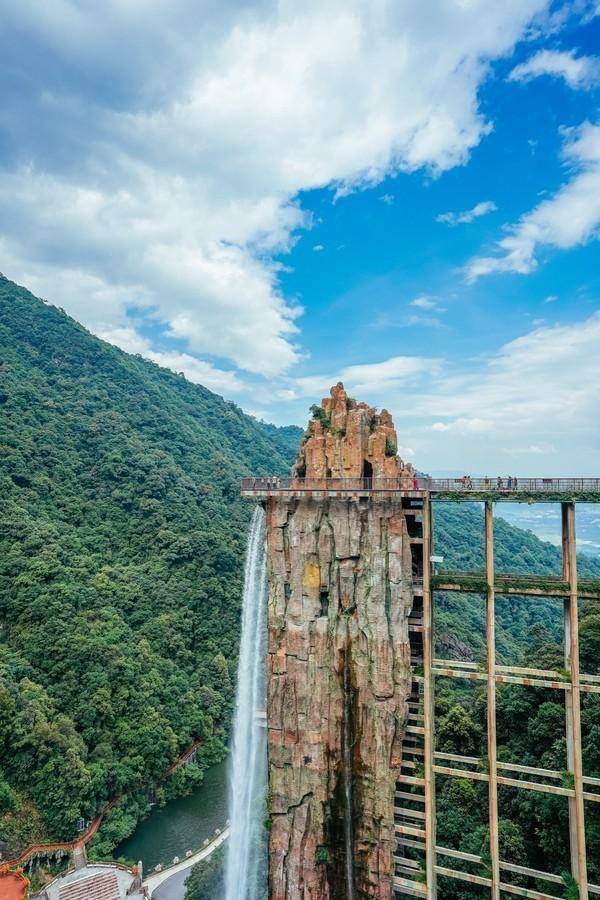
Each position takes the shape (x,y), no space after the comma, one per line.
(410,788)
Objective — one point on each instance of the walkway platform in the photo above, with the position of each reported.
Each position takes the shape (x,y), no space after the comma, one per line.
(155,879)
(516,585)
(519,490)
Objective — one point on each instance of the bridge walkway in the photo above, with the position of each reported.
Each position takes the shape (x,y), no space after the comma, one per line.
(153,881)
(497,489)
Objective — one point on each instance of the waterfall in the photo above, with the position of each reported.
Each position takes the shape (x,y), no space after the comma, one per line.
(245,872)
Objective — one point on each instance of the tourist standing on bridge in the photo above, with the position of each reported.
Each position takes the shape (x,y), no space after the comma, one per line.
(499,483)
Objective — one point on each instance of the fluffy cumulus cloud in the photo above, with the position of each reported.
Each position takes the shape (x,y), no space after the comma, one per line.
(579,72)
(199,371)
(527,407)
(469,215)
(532,398)
(372,380)
(568,218)
(150,157)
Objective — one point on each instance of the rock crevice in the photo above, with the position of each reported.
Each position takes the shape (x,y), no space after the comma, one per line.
(360,640)
(340,593)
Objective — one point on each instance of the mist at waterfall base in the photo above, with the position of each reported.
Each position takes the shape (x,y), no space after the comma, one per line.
(246,861)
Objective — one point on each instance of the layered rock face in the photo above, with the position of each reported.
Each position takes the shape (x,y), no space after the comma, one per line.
(340,593)
(346,439)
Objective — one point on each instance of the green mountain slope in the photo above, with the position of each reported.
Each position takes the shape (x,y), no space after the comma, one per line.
(120,565)
(460,618)
(121,551)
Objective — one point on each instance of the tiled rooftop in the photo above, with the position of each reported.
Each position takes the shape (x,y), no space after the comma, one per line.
(93,882)
(93,887)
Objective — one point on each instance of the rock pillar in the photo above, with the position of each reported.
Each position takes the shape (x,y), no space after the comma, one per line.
(340,592)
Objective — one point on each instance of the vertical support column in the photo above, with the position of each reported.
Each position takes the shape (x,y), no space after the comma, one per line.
(491,698)
(573,701)
(428,705)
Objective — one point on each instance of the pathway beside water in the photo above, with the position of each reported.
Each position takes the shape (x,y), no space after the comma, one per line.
(169,884)
(183,824)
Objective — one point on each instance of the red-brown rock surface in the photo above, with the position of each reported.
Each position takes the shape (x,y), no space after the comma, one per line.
(340,592)
(346,439)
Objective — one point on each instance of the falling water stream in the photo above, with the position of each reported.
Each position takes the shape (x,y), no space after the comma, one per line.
(245,873)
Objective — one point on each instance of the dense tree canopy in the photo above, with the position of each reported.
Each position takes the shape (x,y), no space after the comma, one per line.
(206,879)
(120,565)
(533,827)
(121,553)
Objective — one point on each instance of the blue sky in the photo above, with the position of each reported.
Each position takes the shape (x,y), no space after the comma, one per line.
(402,195)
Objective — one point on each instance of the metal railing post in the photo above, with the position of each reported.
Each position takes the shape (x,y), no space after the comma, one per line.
(428,707)
(573,702)
(491,700)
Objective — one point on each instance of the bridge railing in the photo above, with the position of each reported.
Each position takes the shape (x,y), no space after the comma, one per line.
(515,485)
(467,485)
(327,484)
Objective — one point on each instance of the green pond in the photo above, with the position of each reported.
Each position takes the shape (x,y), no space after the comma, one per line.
(182,824)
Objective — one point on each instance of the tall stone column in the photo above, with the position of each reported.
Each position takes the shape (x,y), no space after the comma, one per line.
(340,592)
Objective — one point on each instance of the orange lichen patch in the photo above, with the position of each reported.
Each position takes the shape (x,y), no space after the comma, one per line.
(12,885)
(311,578)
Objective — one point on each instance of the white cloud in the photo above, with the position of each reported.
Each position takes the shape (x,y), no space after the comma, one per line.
(569,218)
(388,199)
(578,71)
(159,183)
(530,407)
(551,298)
(480,209)
(199,371)
(533,398)
(424,302)
(426,321)
(427,303)
(196,370)
(318,247)
(370,378)
(400,319)
(406,452)
(595,11)
(462,426)
(543,449)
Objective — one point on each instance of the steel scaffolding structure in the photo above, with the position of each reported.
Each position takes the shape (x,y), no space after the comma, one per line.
(416,831)
(416,786)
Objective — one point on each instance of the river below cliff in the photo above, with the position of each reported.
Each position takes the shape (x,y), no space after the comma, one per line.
(182,824)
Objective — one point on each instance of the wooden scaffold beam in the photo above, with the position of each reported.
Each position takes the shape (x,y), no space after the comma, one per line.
(428,708)
(491,700)
(573,702)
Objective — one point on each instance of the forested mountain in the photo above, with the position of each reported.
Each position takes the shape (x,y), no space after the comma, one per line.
(120,565)
(460,618)
(121,550)
(531,721)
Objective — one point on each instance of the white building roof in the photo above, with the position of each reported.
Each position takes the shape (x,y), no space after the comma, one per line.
(93,882)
